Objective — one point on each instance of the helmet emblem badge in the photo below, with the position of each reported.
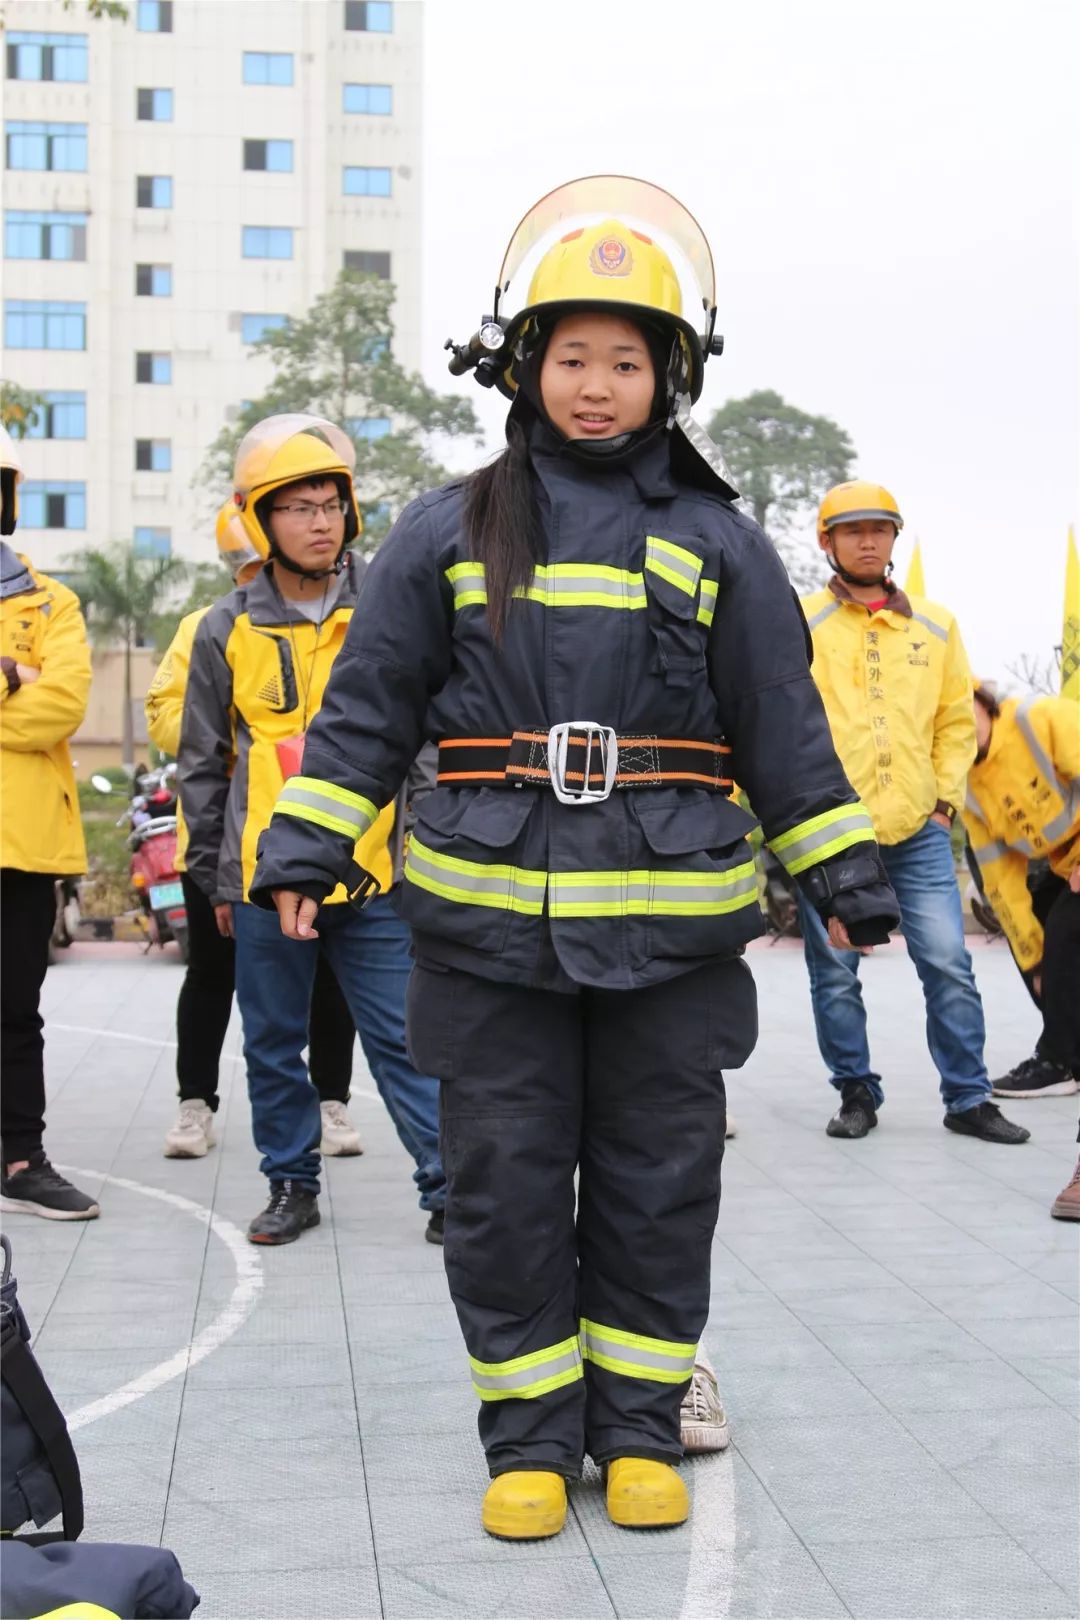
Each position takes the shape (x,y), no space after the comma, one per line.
(611,257)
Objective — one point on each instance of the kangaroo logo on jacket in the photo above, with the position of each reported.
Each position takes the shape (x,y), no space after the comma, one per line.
(611,257)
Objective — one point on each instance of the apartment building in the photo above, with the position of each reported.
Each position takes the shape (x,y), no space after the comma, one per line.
(174,185)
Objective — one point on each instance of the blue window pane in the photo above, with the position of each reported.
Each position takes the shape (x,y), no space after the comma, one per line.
(30,235)
(52,506)
(24,236)
(33,324)
(367,98)
(268,67)
(380,17)
(279,156)
(70,60)
(267,242)
(154,17)
(161,455)
(369,427)
(161,281)
(27,146)
(67,148)
(161,190)
(367,182)
(163,106)
(59,57)
(155,543)
(63,416)
(161,368)
(254,327)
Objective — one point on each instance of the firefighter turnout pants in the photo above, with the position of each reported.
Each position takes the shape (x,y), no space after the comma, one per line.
(581,1326)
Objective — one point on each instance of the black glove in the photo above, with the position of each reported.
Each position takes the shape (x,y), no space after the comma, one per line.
(854,887)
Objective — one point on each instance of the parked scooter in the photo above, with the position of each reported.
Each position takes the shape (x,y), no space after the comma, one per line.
(152,841)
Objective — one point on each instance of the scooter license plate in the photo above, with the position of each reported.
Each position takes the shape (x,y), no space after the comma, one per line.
(166,894)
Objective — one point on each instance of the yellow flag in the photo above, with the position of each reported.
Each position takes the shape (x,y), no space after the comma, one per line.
(1070,625)
(915,585)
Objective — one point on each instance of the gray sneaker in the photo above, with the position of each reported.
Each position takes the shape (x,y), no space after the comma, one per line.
(702,1419)
(340,1138)
(193,1134)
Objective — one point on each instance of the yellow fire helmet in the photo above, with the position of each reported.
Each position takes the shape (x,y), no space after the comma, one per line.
(10,479)
(856,500)
(609,243)
(234,548)
(280,450)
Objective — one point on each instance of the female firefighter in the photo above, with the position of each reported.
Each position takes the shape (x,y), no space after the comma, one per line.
(596,638)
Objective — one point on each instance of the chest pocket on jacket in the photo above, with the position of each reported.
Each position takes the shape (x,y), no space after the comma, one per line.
(272,682)
(673,585)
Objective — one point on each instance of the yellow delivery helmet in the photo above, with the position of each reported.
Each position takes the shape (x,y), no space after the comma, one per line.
(281,450)
(856,500)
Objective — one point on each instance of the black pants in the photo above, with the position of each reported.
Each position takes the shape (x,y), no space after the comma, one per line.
(205,1003)
(581,1327)
(1058,909)
(27,913)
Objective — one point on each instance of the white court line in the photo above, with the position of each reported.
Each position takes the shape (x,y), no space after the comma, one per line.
(364,1092)
(249,1281)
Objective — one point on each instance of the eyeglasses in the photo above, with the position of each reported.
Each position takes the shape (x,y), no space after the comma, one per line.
(305,511)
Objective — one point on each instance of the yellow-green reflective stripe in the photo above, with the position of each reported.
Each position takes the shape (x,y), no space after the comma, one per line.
(662,1361)
(526,1377)
(821,836)
(673,563)
(327,805)
(710,589)
(652,894)
(472,883)
(557,585)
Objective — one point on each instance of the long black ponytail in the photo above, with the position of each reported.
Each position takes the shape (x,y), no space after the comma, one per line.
(502,525)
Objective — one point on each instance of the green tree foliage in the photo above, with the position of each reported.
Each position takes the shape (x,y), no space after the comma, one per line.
(98,9)
(122,595)
(783,461)
(17,406)
(337,361)
(206,583)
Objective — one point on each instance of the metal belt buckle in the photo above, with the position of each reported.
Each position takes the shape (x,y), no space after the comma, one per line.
(558,748)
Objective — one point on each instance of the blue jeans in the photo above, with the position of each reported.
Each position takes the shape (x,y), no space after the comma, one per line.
(922,872)
(369,953)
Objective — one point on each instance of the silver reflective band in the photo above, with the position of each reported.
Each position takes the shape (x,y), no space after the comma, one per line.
(1070,791)
(294,796)
(607,745)
(942,635)
(523,1377)
(822,614)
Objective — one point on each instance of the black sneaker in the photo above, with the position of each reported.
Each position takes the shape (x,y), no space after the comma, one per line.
(41,1190)
(856,1115)
(987,1122)
(435,1228)
(1037,1077)
(291,1210)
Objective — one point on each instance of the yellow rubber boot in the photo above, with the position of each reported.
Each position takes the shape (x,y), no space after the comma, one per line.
(644,1495)
(524,1505)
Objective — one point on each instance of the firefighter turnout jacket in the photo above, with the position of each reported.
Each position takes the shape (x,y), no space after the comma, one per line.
(1023,804)
(897,690)
(658,611)
(41,625)
(256,665)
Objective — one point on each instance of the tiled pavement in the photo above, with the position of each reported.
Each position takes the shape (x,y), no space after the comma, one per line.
(894,1323)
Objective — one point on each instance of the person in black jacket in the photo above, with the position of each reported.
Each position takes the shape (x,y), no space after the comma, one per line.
(598,640)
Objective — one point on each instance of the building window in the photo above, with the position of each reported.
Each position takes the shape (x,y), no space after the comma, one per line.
(268,67)
(33,324)
(63,416)
(153,455)
(154,17)
(153,368)
(367,98)
(368,427)
(61,58)
(57,147)
(366,182)
(369,16)
(276,156)
(153,543)
(255,327)
(267,242)
(368,264)
(153,281)
(154,106)
(153,191)
(52,506)
(30,235)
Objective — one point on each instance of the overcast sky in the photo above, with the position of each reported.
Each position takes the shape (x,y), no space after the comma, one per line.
(887,188)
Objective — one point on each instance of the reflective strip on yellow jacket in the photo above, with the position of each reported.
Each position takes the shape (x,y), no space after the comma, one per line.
(897,691)
(526,1377)
(562,585)
(580,894)
(41,625)
(1023,804)
(634,1356)
(164,706)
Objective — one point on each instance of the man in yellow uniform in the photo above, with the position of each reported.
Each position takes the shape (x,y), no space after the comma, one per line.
(897,690)
(260,662)
(1023,805)
(44,685)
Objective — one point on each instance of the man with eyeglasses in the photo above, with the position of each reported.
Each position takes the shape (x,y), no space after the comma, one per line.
(260,662)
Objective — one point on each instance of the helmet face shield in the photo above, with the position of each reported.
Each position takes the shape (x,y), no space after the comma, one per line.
(235,548)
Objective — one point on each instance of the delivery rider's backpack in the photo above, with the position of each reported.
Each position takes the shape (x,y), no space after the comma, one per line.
(44,1573)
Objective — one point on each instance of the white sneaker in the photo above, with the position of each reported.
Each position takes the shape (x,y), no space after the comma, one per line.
(193,1133)
(729,1128)
(702,1419)
(340,1138)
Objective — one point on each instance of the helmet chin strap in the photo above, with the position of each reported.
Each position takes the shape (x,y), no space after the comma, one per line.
(278,556)
(884,579)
